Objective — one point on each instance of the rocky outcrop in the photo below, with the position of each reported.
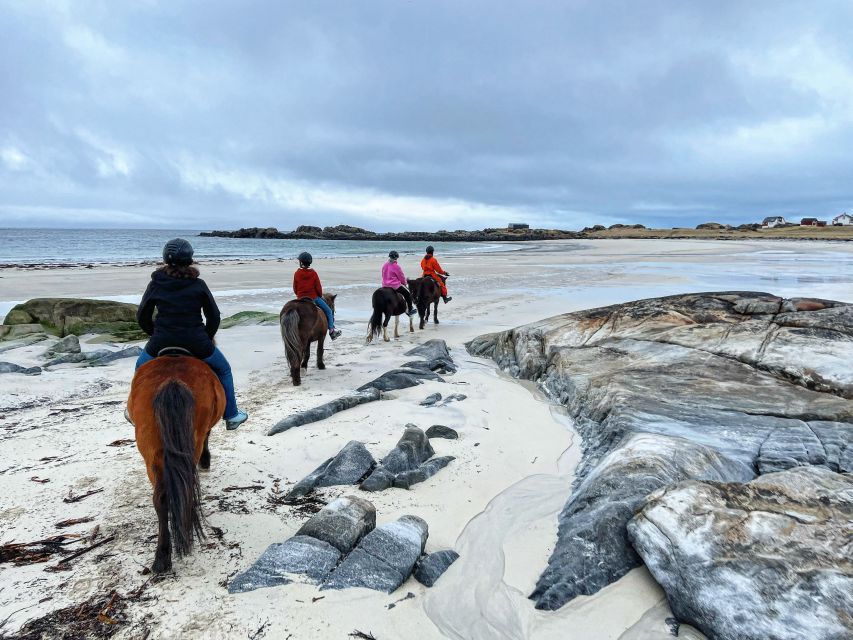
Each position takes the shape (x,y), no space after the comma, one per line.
(11,367)
(68,344)
(97,358)
(347,232)
(431,567)
(715,386)
(349,466)
(325,410)
(766,559)
(407,464)
(249,318)
(401,378)
(385,557)
(341,547)
(441,431)
(315,550)
(65,316)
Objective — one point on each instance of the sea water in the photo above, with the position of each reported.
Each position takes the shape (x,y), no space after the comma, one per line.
(128,246)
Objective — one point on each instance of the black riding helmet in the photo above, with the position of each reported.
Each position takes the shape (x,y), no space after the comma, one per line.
(393,255)
(178,252)
(305,259)
(430,250)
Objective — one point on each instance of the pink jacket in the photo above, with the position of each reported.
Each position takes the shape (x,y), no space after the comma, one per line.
(392,275)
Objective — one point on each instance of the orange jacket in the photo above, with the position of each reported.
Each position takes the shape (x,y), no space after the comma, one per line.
(430,266)
(306,284)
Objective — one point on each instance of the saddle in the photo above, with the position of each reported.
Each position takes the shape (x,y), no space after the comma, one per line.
(174,352)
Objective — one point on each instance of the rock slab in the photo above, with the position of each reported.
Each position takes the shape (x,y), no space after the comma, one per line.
(384,559)
(431,567)
(408,463)
(766,559)
(349,466)
(325,410)
(341,523)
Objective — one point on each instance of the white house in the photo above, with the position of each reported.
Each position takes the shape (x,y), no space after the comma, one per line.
(843,220)
(772,221)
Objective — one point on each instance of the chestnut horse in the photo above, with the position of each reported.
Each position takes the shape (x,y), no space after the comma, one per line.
(174,402)
(425,292)
(387,303)
(303,322)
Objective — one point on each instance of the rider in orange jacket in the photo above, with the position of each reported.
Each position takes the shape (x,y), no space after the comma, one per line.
(431,268)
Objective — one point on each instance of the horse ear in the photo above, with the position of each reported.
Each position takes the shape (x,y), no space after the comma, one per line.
(334,296)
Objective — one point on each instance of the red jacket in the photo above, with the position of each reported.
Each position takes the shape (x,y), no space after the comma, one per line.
(306,284)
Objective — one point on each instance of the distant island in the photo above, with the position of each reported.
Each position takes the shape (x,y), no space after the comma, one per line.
(519,232)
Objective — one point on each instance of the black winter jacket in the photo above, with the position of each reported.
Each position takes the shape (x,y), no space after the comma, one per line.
(179,303)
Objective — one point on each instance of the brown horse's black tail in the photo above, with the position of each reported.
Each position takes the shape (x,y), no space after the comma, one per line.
(374,325)
(174,408)
(290,335)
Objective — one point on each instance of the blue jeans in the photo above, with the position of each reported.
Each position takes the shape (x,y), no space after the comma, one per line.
(325,307)
(221,368)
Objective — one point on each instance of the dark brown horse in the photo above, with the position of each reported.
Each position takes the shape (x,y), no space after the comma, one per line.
(387,303)
(303,322)
(173,404)
(425,292)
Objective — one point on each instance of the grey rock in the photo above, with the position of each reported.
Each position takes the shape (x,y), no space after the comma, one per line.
(22,331)
(440,431)
(325,410)
(401,379)
(341,523)
(430,350)
(454,397)
(766,559)
(68,344)
(299,559)
(66,359)
(430,400)
(112,356)
(349,466)
(429,568)
(11,367)
(406,464)
(384,559)
(26,340)
(743,381)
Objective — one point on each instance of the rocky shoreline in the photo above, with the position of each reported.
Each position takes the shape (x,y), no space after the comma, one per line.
(691,396)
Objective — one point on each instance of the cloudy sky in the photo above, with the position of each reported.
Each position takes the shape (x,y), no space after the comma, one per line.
(423,114)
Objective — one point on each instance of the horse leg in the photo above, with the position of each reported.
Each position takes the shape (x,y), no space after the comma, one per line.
(425,317)
(307,355)
(385,328)
(411,325)
(204,461)
(320,341)
(163,555)
(435,313)
(396,326)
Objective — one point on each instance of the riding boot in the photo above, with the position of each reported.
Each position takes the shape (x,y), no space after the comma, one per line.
(447,299)
(412,311)
(334,334)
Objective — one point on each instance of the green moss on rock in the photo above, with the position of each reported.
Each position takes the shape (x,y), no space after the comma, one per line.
(66,316)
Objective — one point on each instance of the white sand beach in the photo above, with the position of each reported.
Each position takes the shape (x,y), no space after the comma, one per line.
(495,504)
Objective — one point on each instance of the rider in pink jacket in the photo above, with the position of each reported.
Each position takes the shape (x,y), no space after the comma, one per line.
(393,277)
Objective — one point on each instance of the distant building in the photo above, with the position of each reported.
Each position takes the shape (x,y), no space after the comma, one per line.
(773,221)
(808,222)
(512,226)
(843,220)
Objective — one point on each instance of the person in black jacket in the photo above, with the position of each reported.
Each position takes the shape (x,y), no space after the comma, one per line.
(180,297)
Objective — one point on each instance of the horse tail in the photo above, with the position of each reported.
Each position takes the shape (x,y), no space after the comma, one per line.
(174,408)
(290,335)
(374,326)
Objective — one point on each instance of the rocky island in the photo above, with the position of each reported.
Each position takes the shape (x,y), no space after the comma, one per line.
(717,449)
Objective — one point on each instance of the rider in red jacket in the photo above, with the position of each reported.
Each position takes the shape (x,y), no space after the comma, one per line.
(306,284)
(431,268)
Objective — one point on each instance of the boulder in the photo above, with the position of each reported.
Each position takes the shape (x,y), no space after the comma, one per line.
(299,559)
(325,410)
(712,386)
(14,331)
(11,367)
(349,466)
(406,464)
(24,341)
(249,318)
(66,359)
(384,559)
(430,350)
(765,559)
(430,400)
(440,431)
(101,360)
(68,344)
(430,567)
(401,379)
(65,316)
(341,523)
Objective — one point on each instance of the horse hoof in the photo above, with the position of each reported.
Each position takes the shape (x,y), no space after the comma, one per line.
(161,566)
(321,366)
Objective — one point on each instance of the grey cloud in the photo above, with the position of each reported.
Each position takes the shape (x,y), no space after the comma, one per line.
(559,113)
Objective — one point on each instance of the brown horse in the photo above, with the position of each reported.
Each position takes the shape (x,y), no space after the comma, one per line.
(302,322)
(425,292)
(173,404)
(387,303)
